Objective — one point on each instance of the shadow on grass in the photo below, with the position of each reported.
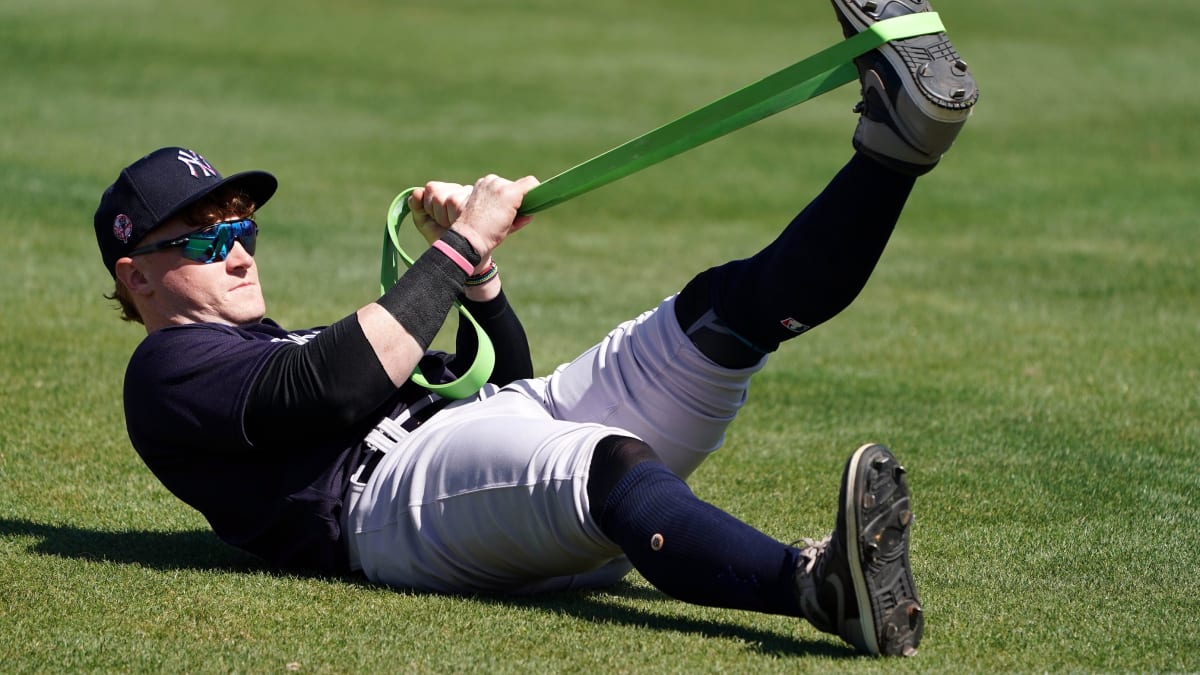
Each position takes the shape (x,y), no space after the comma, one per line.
(609,607)
(195,550)
(202,550)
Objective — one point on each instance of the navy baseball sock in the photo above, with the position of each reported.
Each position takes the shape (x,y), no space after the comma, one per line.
(714,339)
(692,550)
(812,271)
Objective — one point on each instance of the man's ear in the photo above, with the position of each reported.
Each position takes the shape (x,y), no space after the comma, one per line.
(131,277)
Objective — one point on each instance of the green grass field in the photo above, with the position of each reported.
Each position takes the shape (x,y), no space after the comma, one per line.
(1028,345)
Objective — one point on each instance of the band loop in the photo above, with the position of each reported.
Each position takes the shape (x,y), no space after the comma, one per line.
(485,356)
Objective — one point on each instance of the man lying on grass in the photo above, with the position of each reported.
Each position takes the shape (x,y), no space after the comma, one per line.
(314,449)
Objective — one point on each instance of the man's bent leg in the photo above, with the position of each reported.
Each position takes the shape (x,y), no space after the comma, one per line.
(857,583)
(688,548)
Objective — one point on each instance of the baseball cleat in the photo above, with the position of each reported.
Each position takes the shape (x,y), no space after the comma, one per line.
(916,93)
(857,583)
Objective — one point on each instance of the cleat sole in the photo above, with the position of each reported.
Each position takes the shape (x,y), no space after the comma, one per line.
(889,609)
(932,64)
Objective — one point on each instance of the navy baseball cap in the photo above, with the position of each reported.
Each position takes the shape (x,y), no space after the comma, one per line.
(158,187)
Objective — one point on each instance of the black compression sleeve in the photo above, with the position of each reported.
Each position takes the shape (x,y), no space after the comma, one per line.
(498,319)
(317,389)
(422,297)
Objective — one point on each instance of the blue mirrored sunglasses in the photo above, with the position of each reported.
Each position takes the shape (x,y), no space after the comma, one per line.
(210,245)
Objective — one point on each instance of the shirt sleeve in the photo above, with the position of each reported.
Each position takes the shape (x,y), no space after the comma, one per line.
(500,321)
(331,385)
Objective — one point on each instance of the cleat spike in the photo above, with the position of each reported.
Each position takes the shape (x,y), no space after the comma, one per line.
(872,551)
(906,518)
(960,66)
(909,650)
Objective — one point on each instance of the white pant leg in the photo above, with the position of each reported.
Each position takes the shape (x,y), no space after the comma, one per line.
(486,496)
(647,377)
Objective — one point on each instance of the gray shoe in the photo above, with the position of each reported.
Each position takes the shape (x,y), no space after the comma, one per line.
(857,583)
(917,93)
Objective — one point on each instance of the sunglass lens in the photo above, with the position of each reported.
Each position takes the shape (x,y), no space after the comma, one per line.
(248,235)
(213,245)
(203,247)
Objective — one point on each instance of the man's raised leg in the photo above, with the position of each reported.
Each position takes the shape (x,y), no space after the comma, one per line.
(916,95)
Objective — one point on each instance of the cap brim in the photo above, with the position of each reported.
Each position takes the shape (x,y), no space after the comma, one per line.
(259,185)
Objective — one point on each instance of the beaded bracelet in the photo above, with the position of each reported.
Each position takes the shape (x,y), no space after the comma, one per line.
(481,279)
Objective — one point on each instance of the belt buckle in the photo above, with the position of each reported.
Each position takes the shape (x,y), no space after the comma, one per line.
(379,440)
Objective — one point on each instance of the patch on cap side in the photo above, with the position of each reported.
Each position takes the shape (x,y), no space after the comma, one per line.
(122,228)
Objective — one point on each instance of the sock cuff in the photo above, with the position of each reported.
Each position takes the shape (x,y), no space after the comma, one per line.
(646,472)
(710,321)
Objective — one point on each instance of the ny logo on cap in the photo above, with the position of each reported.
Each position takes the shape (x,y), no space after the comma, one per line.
(194,161)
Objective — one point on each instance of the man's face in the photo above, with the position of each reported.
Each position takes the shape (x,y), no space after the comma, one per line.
(179,291)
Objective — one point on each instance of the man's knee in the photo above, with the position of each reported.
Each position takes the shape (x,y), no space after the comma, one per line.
(613,458)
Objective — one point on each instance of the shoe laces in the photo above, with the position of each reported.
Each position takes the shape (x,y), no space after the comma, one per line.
(811,569)
(813,554)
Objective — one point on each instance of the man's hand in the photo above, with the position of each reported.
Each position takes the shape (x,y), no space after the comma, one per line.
(485,214)
(436,206)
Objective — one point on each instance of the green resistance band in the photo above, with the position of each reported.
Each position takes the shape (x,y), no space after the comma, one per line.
(820,73)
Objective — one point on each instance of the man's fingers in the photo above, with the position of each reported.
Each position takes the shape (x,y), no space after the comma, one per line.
(528,183)
(524,185)
(416,201)
(444,202)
